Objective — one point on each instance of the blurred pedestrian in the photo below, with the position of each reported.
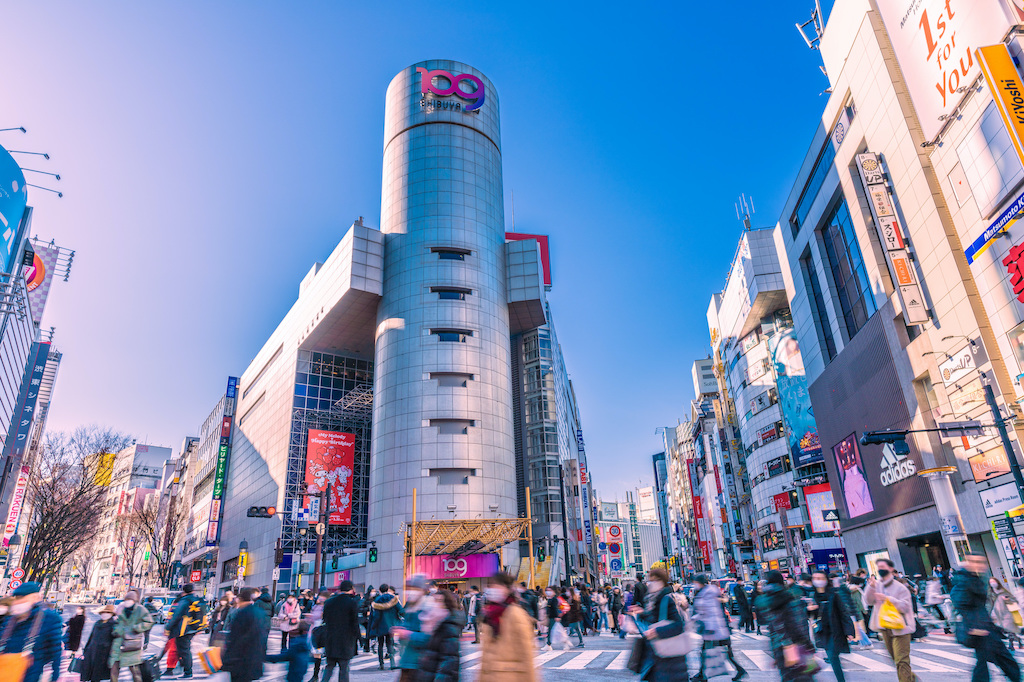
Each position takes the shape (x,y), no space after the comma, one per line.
(713,627)
(266,603)
(315,617)
(665,621)
(341,619)
(75,625)
(855,585)
(601,602)
(785,617)
(572,619)
(365,606)
(472,604)
(615,605)
(96,656)
(385,613)
(289,616)
(551,613)
(187,619)
(506,635)
(831,622)
(897,640)
(245,647)
(746,612)
(130,629)
(1004,610)
(218,620)
(976,629)
(410,632)
(444,622)
(297,656)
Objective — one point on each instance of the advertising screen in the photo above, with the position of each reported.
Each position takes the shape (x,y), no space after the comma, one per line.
(330,460)
(13,198)
(795,399)
(853,479)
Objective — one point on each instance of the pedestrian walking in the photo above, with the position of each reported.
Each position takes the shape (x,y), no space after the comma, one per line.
(572,619)
(976,629)
(785,617)
(298,654)
(219,619)
(615,604)
(341,620)
(188,618)
(266,603)
(472,604)
(365,606)
(1005,611)
(385,613)
(130,629)
(759,587)
(664,621)
(551,613)
(854,594)
(410,633)
(746,611)
(529,600)
(506,635)
(444,622)
(75,625)
(315,617)
(934,599)
(245,646)
(289,616)
(887,590)
(601,601)
(712,625)
(96,656)
(832,624)
(587,610)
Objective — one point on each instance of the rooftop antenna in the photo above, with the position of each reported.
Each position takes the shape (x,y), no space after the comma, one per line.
(747,204)
(817,27)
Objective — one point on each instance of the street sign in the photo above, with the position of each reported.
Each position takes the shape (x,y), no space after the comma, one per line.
(321,528)
(15,584)
(241,571)
(830,514)
(958,429)
(18,573)
(195,576)
(277,574)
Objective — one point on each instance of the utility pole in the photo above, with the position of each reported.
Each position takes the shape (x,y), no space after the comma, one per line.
(324,518)
(990,397)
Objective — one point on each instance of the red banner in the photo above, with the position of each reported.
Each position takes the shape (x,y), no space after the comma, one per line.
(781,501)
(705,550)
(330,460)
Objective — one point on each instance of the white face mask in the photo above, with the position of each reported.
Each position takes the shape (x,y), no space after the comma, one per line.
(414,594)
(836,582)
(819,582)
(105,616)
(21,608)
(549,595)
(495,595)
(655,586)
(128,603)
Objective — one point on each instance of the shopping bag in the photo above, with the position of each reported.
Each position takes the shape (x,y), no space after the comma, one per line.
(210,660)
(714,662)
(637,655)
(889,617)
(1015,613)
(14,666)
(172,654)
(559,637)
(75,665)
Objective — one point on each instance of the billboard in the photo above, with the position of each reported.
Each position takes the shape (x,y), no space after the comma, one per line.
(989,464)
(795,399)
(39,277)
(447,567)
(330,461)
(1005,84)
(934,42)
(13,198)
(819,498)
(104,468)
(223,456)
(852,478)
(28,397)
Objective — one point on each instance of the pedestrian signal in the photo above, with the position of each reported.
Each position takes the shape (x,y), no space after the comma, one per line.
(541,556)
(372,554)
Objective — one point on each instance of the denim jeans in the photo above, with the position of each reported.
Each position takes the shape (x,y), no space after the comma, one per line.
(578,629)
(602,622)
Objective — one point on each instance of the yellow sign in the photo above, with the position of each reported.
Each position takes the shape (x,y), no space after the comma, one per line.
(1005,84)
(104,468)
(243,557)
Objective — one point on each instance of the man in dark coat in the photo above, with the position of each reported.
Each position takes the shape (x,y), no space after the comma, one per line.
(266,603)
(246,644)
(29,614)
(188,618)
(976,629)
(341,619)
(745,611)
(385,613)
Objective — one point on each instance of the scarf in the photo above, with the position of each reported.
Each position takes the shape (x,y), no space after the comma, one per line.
(493,613)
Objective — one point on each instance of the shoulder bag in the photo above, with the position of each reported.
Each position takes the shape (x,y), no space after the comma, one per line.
(13,666)
(681,644)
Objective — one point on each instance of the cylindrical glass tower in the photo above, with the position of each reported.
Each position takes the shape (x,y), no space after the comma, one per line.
(442,413)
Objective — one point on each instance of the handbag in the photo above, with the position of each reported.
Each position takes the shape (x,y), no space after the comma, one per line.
(210,660)
(14,666)
(637,655)
(889,617)
(75,664)
(131,642)
(681,644)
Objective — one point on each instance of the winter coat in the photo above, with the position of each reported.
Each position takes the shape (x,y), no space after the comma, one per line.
(531,603)
(440,659)
(246,644)
(187,617)
(970,599)
(899,594)
(551,610)
(707,610)
(615,601)
(662,607)
(640,593)
(297,657)
(742,602)
(785,617)
(96,661)
(290,614)
(385,613)
(413,647)
(574,614)
(1001,614)
(47,648)
(128,624)
(265,603)
(74,635)
(833,623)
(509,656)
(341,618)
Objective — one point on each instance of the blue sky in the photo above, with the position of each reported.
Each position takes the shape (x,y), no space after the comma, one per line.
(212,151)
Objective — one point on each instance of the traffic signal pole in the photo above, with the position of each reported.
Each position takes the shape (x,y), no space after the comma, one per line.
(322,517)
(990,398)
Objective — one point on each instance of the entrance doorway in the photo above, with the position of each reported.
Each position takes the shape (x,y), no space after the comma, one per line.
(922,553)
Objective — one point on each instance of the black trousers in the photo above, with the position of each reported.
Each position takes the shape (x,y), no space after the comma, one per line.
(835,662)
(284,641)
(184,646)
(381,641)
(341,664)
(615,620)
(992,650)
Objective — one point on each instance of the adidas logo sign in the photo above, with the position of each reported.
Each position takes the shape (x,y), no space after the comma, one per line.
(895,468)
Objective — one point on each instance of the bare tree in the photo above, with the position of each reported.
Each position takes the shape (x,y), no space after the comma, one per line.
(129,534)
(65,497)
(84,559)
(155,528)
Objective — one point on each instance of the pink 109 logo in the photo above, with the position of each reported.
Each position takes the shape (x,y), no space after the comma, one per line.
(454,86)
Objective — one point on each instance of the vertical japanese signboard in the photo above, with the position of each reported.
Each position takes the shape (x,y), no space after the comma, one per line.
(1005,84)
(891,235)
(330,460)
(16,503)
(21,418)
(223,457)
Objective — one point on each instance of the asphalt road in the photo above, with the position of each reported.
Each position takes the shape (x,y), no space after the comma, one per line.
(937,657)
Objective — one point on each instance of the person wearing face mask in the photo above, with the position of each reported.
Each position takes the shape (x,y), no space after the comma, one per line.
(1004,610)
(615,607)
(290,614)
(130,627)
(75,625)
(663,621)
(506,635)
(897,641)
(31,627)
(831,622)
(976,629)
(219,619)
(550,613)
(188,617)
(410,632)
(713,627)
(95,666)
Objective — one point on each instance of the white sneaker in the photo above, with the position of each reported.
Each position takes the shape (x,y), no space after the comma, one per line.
(547,648)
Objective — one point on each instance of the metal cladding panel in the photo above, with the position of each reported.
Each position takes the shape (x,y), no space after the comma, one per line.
(860,391)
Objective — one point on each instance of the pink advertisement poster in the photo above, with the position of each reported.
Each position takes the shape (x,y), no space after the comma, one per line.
(446,567)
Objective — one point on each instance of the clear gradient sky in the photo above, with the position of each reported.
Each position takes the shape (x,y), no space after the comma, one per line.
(212,151)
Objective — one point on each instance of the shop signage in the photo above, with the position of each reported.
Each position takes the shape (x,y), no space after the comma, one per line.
(889,231)
(755,371)
(760,402)
(477,95)
(781,501)
(989,464)
(895,467)
(330,461)
(996,501)
(768,434)
(447,567)
(776,466)
(17,499)
(13,197)
(1008,217)
(1015,267)
(934,42)
(749,341)
(24,411)
(1002,528)
(221,471)
(959,365)
(1003,80)
(970,395)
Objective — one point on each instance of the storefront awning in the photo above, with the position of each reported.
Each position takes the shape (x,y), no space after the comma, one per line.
(457,538)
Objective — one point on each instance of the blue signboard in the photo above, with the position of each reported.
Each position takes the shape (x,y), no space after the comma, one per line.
(999,225)
(615,565)
(21,420)
(13,198)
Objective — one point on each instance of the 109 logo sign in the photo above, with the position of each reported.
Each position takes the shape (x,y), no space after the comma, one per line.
(427,77)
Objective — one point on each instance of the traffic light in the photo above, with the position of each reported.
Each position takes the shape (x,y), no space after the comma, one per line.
(371,555)
(334,562)
(279,556)
(897,438)
(540,553)
(262,513)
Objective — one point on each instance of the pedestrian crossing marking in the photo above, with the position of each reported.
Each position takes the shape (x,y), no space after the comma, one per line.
(580,660)
(868,663)
(547,656)
(760,659)
(619,662)
(947,655)
(918,663)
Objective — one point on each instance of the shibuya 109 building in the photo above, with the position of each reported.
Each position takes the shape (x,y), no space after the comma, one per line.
(394,371)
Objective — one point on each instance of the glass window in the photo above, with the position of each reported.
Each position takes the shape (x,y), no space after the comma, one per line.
(848,270)
(821,168)
(820,314)
(990,162)
(452,335)
(451,293)
(450,253)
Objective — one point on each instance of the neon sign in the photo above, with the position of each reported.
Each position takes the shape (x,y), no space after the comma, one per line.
(427,85)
